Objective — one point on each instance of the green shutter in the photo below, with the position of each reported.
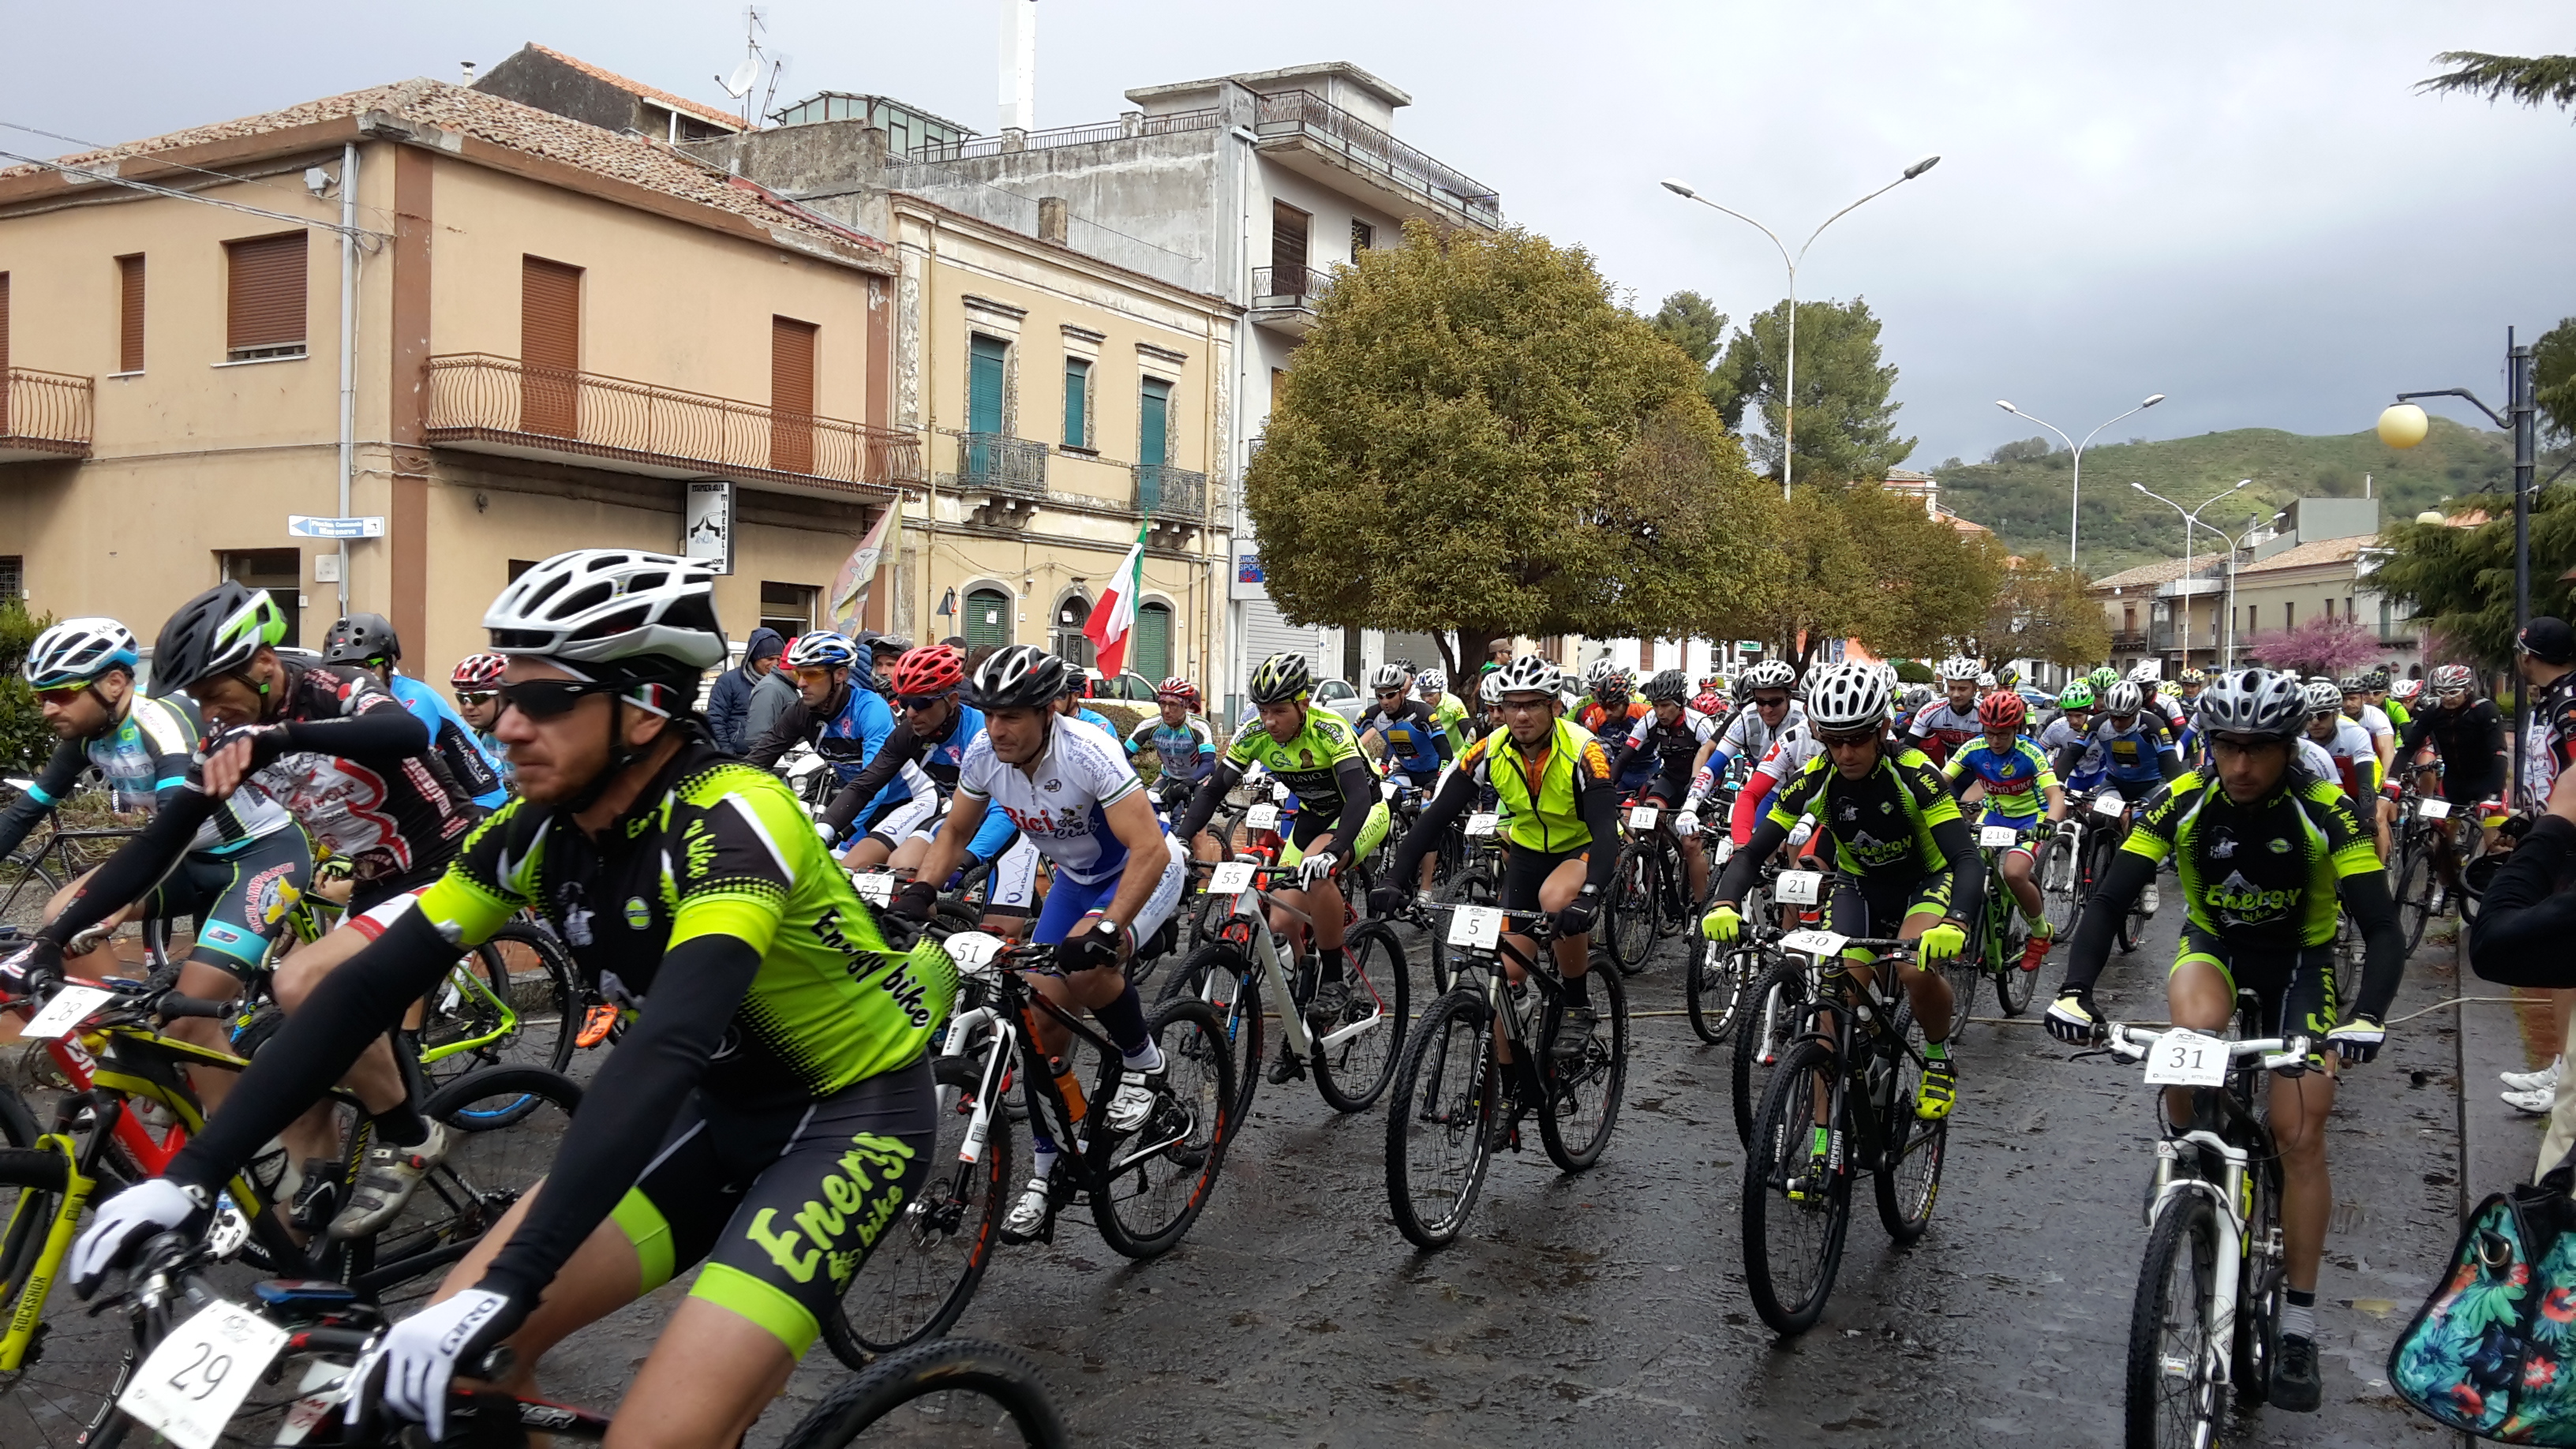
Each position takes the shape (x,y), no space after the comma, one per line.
(1077,390)
(984,385)
(1152,655)
(988,619)
(1153,448)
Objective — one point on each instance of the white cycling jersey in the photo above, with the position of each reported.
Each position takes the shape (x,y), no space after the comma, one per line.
(2314,756)
(1747,737)
(1061,802)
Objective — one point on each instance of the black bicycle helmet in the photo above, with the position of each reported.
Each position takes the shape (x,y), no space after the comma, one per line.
(1672,686)
(362,639)
(217,632)
(1022,676)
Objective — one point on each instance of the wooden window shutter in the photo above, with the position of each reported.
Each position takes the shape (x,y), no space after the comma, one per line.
(264,305)
(129,321)
(1152,655)
(549,347)
(791,395)
(1288,228)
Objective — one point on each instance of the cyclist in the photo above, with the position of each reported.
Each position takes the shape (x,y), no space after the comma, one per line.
(1906,856)
(2264,849)
(2137,755)
(2013,777)
(839,714)
(1610,715)
(1184,753)
(2468,733)
(1562,819)
(1340,819)
(1748,735)
(367,642)
(1948,724)
(1070,705)
(1448,712)
(244,862)
(2348,747)
(2391,705)
(931,740)
(771,1106)
(477,680)
(1678,742)
(1118,875)
(2353,693)
(2545,654)
(1399,730)
(356,770)
(1600,672)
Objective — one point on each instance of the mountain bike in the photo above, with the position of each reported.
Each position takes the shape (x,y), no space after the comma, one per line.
(2102,819)
(2207,1314)
(1997,935)
(1718,982)
(1649,896)
(1839,1104)
(1781,984)
(1475,883)
(1457,1098)
(206,1355)
(30,875)
(1352,1054)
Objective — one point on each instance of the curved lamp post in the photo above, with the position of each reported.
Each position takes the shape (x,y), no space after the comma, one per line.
(2075,495)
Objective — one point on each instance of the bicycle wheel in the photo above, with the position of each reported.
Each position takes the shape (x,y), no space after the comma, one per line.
(1352,1073)
(2013,985)
(1440,1122)
(1473,886)
(1908,1179)
(1220,975)
(954,1391)
(1795,1215)
(2414,891)
(1628,923)
(1582,1102)
(26,884)
(2261,1290)
(484,1172)
(1713,991)
(512,1001)
(1771,1017)
(2055,876)
(1148,1187)
(925,1267)
(2172,1391)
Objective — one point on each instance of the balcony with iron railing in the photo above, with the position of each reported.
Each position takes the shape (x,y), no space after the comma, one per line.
(2129,642)
(1171,495)
(1290,121)
(1126,128)
(483,403)
(45,414)
(1000,463)
(1285,298)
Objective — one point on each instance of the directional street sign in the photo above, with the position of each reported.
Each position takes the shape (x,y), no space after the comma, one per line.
(300,526)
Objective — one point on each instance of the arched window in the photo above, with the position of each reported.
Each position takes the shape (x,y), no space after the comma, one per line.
(988,618)
(1071,612)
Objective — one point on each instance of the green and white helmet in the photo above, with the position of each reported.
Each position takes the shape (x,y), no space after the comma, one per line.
(217,632)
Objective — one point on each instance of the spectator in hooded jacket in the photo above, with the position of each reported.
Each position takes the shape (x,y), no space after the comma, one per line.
(729,703)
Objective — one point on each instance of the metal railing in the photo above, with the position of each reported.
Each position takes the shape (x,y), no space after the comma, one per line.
(1163,491)
(1284,113)
(46,412)
(1124,129)
(478,397)
(2124,642)
(1000,463)
(1306,284)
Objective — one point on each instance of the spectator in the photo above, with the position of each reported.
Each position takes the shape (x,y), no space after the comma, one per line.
(769,699)
(2522,930)
(729,703)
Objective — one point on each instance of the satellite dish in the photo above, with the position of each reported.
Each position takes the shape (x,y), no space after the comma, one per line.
(738,84)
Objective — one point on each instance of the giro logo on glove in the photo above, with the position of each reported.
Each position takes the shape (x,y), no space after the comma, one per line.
(421,1355)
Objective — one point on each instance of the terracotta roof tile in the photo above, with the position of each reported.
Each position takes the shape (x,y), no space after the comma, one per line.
(2160,572)
(508,124)
(699,109)
(2308,555)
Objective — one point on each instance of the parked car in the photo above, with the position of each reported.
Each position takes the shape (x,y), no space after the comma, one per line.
(1130,686)
(1338,696)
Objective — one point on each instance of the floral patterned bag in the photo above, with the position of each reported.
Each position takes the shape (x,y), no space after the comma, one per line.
(2493,1351)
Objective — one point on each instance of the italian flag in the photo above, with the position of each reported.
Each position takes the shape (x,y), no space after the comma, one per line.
(1115,615)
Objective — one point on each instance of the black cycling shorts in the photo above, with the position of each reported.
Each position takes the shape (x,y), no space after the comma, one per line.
(2467,795)
(1524,870)
(783,1201)
(2296,987)
(238,900)
(1876,910)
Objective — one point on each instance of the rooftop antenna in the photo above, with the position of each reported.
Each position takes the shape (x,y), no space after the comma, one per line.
(777,68)
(738,85)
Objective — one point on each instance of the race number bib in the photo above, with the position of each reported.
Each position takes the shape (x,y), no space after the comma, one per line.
(1477,928)
(1481,824)
(1643,817)
(2109,804)
(190,1386)
(1261,817)
(1800,887)
(2433,809)
(1998,837)
(876,887)
(1819,944)
(70,1007)
(1230,879)
(2183,1058)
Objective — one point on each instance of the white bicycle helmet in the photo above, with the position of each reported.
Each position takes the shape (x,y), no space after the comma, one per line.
(1847,696)
(1491,691)
(821,649)
(1529,674)
(1955,670)
(1387,676)
(1602,668)
(2147,672)
(610,612)
(2324,697)
(1433,681)
(2453,676)
(2252,702)
(1769,674)
(77,650)
(1986,680)
(2123,698)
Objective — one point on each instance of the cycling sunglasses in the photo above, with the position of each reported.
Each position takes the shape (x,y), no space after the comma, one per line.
(1780,702)
(61,693)
(475,697)
(1390,694)
(1832,741)
(549,698)
(918,702)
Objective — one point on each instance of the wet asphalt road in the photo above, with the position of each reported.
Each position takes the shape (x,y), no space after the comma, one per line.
(1609,1308)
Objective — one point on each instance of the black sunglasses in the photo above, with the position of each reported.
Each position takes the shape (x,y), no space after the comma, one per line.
(549,698)
(918,702)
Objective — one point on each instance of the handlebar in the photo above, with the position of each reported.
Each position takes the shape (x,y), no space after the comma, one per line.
(2131,1044)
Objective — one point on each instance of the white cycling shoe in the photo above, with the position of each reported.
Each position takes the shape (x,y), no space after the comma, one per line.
(2535,1102)
(391,1176)
(1028,1215)
(2544,1080)
(1132,1107)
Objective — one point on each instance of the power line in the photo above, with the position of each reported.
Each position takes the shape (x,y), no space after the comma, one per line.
(359,233)
(177,165)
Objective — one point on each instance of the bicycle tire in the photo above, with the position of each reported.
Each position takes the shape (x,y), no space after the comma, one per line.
(1770,1024)
(32,1183)
(2261,1292)
(1782,1137)
(2013,986)
(2188,1224)
(1353,1075)
(20,906)
(925,1268)
(1575,1139)
(1907,1182)
(2414,890)
(1713,989)
(539,987)
(1199,1106)
(1456,1094)
(1007,1379)
(484,1173)
(1628,920)
(1221,975)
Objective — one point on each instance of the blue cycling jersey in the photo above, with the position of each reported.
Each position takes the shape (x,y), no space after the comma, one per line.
(1413,743)
(1185,751)
(454,741)
(2131,754)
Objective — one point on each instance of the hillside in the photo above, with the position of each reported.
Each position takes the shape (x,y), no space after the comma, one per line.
(2021,491)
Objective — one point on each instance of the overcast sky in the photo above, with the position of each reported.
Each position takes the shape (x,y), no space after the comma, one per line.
(2243,206)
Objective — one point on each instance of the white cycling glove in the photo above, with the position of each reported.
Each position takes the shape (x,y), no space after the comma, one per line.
(1799,833)
(150,1207)
(1314,868)
(1686,824)
(421,1354)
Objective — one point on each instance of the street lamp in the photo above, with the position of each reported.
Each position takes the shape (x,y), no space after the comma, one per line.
(2403,425)
(2233,545)
(2075,495)
(2190,518)
(1789,394)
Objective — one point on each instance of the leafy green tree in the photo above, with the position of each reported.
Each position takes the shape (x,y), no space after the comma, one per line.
(1845,426)
(1478,439)
(2540,80)
(24,740)
(1689,322)
(2460,580)
(2043,612)
(2553,375)
(1863,563)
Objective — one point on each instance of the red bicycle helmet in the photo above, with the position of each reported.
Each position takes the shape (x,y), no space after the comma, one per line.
(1178,688)
(928,670)
(478,671)
(2002,710)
